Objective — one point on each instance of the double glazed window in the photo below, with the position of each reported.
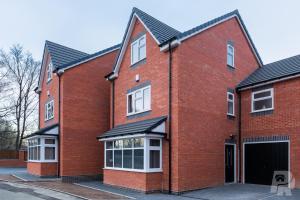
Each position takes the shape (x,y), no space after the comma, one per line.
(230,103)
(138,50)
(49,110)
(230,55)
(49,72)
(134,154)
(262,100)
(42,149)
(139,101)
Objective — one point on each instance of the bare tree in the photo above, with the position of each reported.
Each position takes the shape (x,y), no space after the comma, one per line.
(22,76)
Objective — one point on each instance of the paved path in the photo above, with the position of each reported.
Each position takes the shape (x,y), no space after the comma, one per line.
(17,191)
(11,170)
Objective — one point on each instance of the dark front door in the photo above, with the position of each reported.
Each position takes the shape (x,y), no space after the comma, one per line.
(262,159)
(229,163)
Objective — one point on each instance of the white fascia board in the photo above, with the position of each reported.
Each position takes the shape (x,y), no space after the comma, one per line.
(241,25)
(174,44)
(132,136)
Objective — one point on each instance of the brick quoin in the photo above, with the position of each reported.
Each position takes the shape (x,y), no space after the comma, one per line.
(285,119)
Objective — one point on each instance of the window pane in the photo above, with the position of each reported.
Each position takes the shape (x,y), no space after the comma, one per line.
(49,153)
(230,96)
(118,144)
(134,51)
(147,99)
(263,104)
(154,143)
(138,142)
(142,52)
(109,145)
(118,158)
(154,159)
(230,108)
(230,60)
(127,159)
(139,159)
(138,105)
(262,94)
(49,141)
(130,104)
(127,143)
(230,49)
(109,158)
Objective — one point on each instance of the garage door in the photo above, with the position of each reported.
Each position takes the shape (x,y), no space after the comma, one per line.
(262,159)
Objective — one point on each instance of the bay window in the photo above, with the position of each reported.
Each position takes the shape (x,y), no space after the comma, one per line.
(262,100)
(134,154)
(42,149)
(138,50)
(139,101)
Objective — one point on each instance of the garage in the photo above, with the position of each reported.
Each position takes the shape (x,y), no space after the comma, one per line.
(262,159)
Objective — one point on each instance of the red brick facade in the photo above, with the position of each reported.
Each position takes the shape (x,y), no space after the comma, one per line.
(42,169)
(283,120)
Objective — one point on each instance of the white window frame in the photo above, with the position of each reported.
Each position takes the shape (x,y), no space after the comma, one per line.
(42,146)
(262,98)
(146,149)
(47,107)
(230,101)
(231,54)
(49,71)
(137,41)
(134,100)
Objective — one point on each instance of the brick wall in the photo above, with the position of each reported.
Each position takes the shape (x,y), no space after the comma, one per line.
(42,169)
(85,115)
(284,120)
(19,161)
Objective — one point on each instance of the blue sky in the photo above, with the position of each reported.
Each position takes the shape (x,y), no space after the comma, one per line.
(91,25)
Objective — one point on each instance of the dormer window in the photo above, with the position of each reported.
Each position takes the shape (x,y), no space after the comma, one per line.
(230,55)
(138,49)
(49,72)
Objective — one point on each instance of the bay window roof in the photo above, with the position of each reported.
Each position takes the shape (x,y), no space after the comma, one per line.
(149,126)
(51,130)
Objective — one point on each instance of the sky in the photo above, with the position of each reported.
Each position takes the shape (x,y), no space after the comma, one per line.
(92,25)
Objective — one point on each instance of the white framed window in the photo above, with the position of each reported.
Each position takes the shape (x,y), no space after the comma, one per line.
(138,49)
(230,55)
(42,149)
(49,110)
(230,103)
(140,154)
(49,72)
(262,100)
(139,101)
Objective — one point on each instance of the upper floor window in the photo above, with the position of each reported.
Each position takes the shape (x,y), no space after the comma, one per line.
(263,100)
(230,103)
(49,72)
(138,49)
(139,101)
(230,55)
(49,110)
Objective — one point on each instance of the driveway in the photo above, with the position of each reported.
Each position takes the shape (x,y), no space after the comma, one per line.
(11,170)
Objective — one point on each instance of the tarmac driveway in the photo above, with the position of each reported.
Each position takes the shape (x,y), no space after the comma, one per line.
(11,170)
(241,192)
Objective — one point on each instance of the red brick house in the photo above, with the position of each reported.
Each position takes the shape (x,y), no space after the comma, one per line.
(174,111)
(73,109)
(270,122)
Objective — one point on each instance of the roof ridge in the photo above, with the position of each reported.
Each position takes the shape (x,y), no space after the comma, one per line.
(47,41)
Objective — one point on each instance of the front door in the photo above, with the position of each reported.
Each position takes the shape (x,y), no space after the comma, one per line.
(229,163)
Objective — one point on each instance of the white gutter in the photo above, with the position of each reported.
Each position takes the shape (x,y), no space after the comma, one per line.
(174,43)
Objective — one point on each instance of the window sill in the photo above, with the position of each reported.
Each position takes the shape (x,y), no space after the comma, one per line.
(261,111)
(40,161)
(46,120)
(134,170)
(230,116)
(231,67)
(138,63)
(137,113)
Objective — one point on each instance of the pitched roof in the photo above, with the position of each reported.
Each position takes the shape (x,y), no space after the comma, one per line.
(161,31)
(44,131)
(61,55)
(276,70)
(140,127)
(91,56)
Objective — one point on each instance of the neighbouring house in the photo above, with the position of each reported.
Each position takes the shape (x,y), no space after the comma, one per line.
(73,109)
(270,102)
(174,113)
